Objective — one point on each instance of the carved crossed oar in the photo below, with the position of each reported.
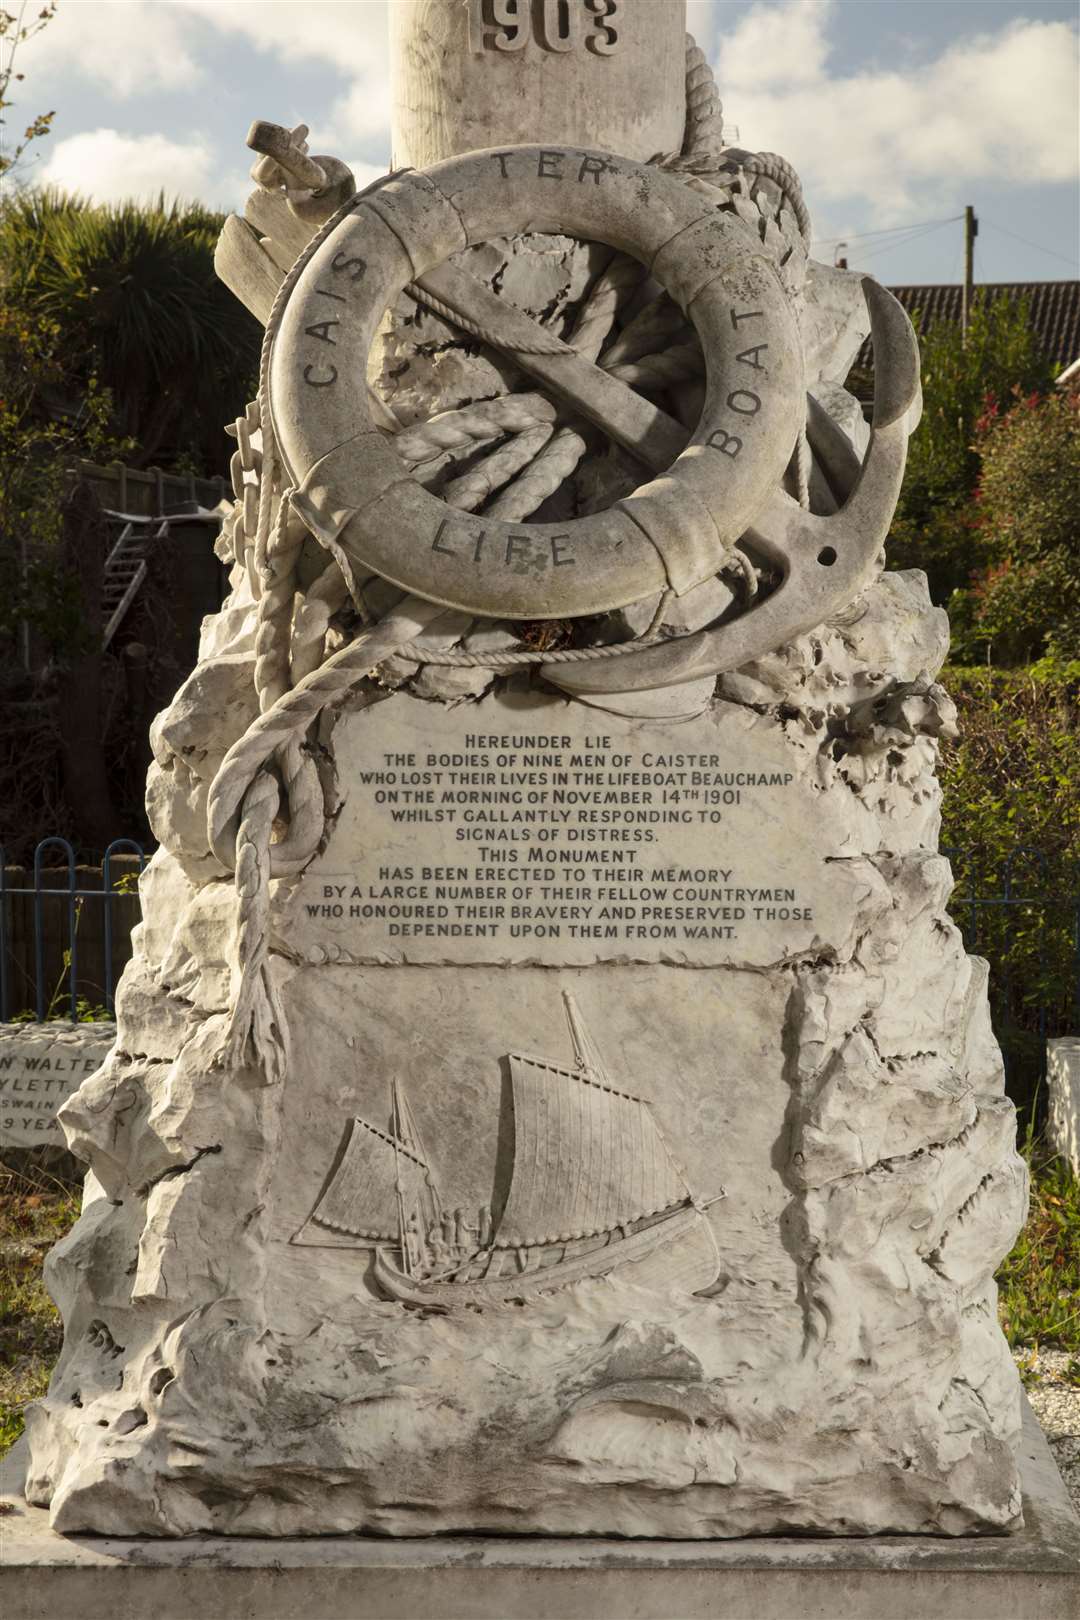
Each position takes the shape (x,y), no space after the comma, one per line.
(628,418)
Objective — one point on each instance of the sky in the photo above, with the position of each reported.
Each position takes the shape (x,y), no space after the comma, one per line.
(896,113)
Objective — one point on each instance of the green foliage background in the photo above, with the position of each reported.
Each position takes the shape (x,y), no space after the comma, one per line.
(1011,812)
(990,510)
(138,311)
(1023,603)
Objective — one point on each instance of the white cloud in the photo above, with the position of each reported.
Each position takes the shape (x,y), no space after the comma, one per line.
(130,49)
(352,34)
(992,106)
(351,37)
(363,113)
(108,166)
(774,46)
(139,47)
(366,173)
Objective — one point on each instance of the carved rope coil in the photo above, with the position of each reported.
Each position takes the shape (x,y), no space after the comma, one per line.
(275,605)
(255,1033)
(703,150)
(554,460)
(803,464)
(560,456)
(453,658)
(658,370)
(289,718)
(549,471)
(704,134)
(456,430)
(606,295)
(473,488)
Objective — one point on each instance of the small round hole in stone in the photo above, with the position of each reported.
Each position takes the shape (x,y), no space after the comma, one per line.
(826,556)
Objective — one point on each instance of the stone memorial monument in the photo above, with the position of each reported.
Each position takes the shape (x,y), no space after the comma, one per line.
(549,1095)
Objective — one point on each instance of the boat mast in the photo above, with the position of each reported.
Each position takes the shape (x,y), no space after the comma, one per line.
(585,1050)
(409,1134)
(395,1131)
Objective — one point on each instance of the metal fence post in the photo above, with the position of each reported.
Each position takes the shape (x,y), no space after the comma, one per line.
(109,895)
(39,942)
(4,993)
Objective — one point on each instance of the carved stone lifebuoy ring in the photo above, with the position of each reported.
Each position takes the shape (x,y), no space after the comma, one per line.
(672,532)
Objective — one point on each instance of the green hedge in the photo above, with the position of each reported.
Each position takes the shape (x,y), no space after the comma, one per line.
(1011,811)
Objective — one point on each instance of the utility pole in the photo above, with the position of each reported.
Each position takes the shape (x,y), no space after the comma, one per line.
(971,231)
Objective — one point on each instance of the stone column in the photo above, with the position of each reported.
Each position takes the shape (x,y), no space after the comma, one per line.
(593,73)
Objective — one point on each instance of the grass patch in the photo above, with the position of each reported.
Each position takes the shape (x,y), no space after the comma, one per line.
(1039,1282)
(36,1209)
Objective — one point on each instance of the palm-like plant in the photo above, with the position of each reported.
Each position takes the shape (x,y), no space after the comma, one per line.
(133,290)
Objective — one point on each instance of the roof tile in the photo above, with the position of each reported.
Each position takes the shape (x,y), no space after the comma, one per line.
(1053,312)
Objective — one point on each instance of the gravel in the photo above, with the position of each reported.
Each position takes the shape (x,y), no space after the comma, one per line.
(1052,1378)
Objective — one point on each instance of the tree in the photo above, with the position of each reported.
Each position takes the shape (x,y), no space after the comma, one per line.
(936,526)
(14,33)
(53,768)
(37,447)
(132,292)
(1024,603)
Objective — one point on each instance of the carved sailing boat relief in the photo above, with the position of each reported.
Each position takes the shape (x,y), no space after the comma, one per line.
(593,1188)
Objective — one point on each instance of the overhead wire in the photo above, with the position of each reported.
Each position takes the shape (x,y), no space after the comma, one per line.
(912,233)
(916,235)
(888,230)
(1074,264)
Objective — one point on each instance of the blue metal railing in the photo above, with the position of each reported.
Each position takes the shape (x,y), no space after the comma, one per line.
(1035,990)
(72,898)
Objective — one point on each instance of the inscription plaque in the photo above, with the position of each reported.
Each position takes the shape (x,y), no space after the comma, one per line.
(40,1066)
(536,830)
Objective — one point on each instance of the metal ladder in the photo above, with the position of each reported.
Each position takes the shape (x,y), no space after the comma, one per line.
(124,571)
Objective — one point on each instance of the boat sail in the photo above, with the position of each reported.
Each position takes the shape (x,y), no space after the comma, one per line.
(381,1188)
(593,1187)
(587,1158)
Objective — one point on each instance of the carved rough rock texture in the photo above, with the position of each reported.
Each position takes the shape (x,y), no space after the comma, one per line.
(845,1373)
(714,1256)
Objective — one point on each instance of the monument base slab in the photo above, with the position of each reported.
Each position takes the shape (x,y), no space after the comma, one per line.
(1035,1572)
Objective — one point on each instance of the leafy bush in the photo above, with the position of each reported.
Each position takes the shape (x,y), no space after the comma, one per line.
(36,448)
(1025,600)
(132,292)
(1011,814)
(959,377)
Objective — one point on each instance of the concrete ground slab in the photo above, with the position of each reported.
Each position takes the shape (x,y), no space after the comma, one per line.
(1034,1574)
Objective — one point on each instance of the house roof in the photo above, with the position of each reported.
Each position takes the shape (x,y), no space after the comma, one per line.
(1053,312)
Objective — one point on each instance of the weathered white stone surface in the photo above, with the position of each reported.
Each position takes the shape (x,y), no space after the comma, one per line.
(1034,1573)
(40,1066)
(488,1227)
(456,71)
(837,1086)
(1063,1091)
